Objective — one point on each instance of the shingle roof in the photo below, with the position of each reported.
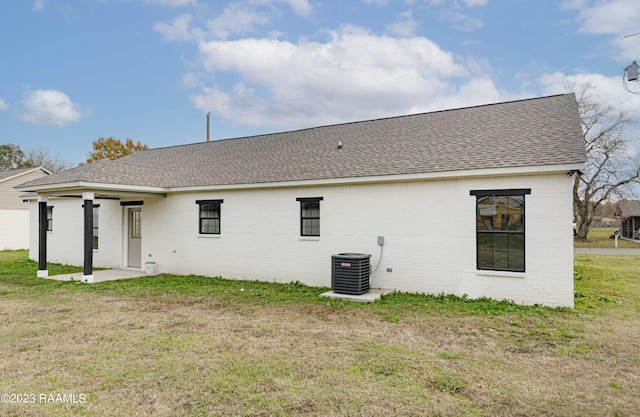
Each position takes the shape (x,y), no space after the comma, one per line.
(14,172)
(629,208)
(539,131)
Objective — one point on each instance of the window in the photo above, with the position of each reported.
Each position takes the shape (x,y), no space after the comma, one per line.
(49,218)
(135,226)
(310,216)
(500,229)
(209,217)
(95,226)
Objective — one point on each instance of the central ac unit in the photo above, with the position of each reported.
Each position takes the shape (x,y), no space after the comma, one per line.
(350,273)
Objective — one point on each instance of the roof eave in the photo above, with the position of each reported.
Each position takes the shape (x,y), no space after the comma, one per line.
(76,186)
(431,176)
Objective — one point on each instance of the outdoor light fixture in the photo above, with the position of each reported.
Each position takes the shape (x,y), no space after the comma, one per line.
(632,71)
(632,75)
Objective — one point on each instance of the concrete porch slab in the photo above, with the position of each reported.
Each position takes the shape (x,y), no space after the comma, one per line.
(103,275)
(369,297)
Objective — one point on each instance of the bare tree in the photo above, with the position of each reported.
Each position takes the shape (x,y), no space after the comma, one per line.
(43,158)
(610,171)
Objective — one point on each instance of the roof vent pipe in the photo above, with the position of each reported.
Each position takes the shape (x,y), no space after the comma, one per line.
(339,145)
(208,118)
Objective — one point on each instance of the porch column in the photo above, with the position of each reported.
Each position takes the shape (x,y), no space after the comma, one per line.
(43,272)
(88,236)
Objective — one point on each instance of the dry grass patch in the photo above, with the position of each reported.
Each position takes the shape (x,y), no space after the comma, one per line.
(198,347)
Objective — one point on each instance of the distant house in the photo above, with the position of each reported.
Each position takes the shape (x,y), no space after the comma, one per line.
(600,221)
(629,212)
(14,211)
(474,201)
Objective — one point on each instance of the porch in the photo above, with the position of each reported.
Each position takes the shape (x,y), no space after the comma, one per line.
(76,211)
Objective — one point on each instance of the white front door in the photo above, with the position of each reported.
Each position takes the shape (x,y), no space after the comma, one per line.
(134,239)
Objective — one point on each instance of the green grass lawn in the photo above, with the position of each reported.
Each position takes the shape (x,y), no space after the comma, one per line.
(600,238)
(195,346)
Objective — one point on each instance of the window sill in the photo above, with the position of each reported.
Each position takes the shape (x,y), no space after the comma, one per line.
(501,274)
(209,236)
(310,238)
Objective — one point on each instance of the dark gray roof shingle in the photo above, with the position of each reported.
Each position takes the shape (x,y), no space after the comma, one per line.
(539,131)
(628,208)
(12,172)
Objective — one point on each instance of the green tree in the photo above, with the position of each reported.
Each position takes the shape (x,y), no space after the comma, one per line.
(12,157)
(112,148)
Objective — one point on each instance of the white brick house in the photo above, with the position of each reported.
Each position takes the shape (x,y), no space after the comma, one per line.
(448,190)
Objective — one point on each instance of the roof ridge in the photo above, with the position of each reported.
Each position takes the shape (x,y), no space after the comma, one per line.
(356,122)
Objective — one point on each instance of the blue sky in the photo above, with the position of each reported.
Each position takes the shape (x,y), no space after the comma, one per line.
(76,70)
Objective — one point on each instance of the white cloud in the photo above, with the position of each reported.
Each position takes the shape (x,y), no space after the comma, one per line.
(3,105)
(212,98)
(190,80)
(574,4)
(452,3)
(177,30)
(38,5)
(608,89)
(49,107)
(615,17)
(171,3)
(474,3)
(404,25)
(376,2)
(462,21)
(353,75)
(300,7)
(234,20)
(455,12)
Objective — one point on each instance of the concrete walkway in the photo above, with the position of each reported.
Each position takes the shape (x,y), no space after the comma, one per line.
(103,275)
(608,251)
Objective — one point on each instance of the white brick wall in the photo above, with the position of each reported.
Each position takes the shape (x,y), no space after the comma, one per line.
(110,230)
(429,230)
